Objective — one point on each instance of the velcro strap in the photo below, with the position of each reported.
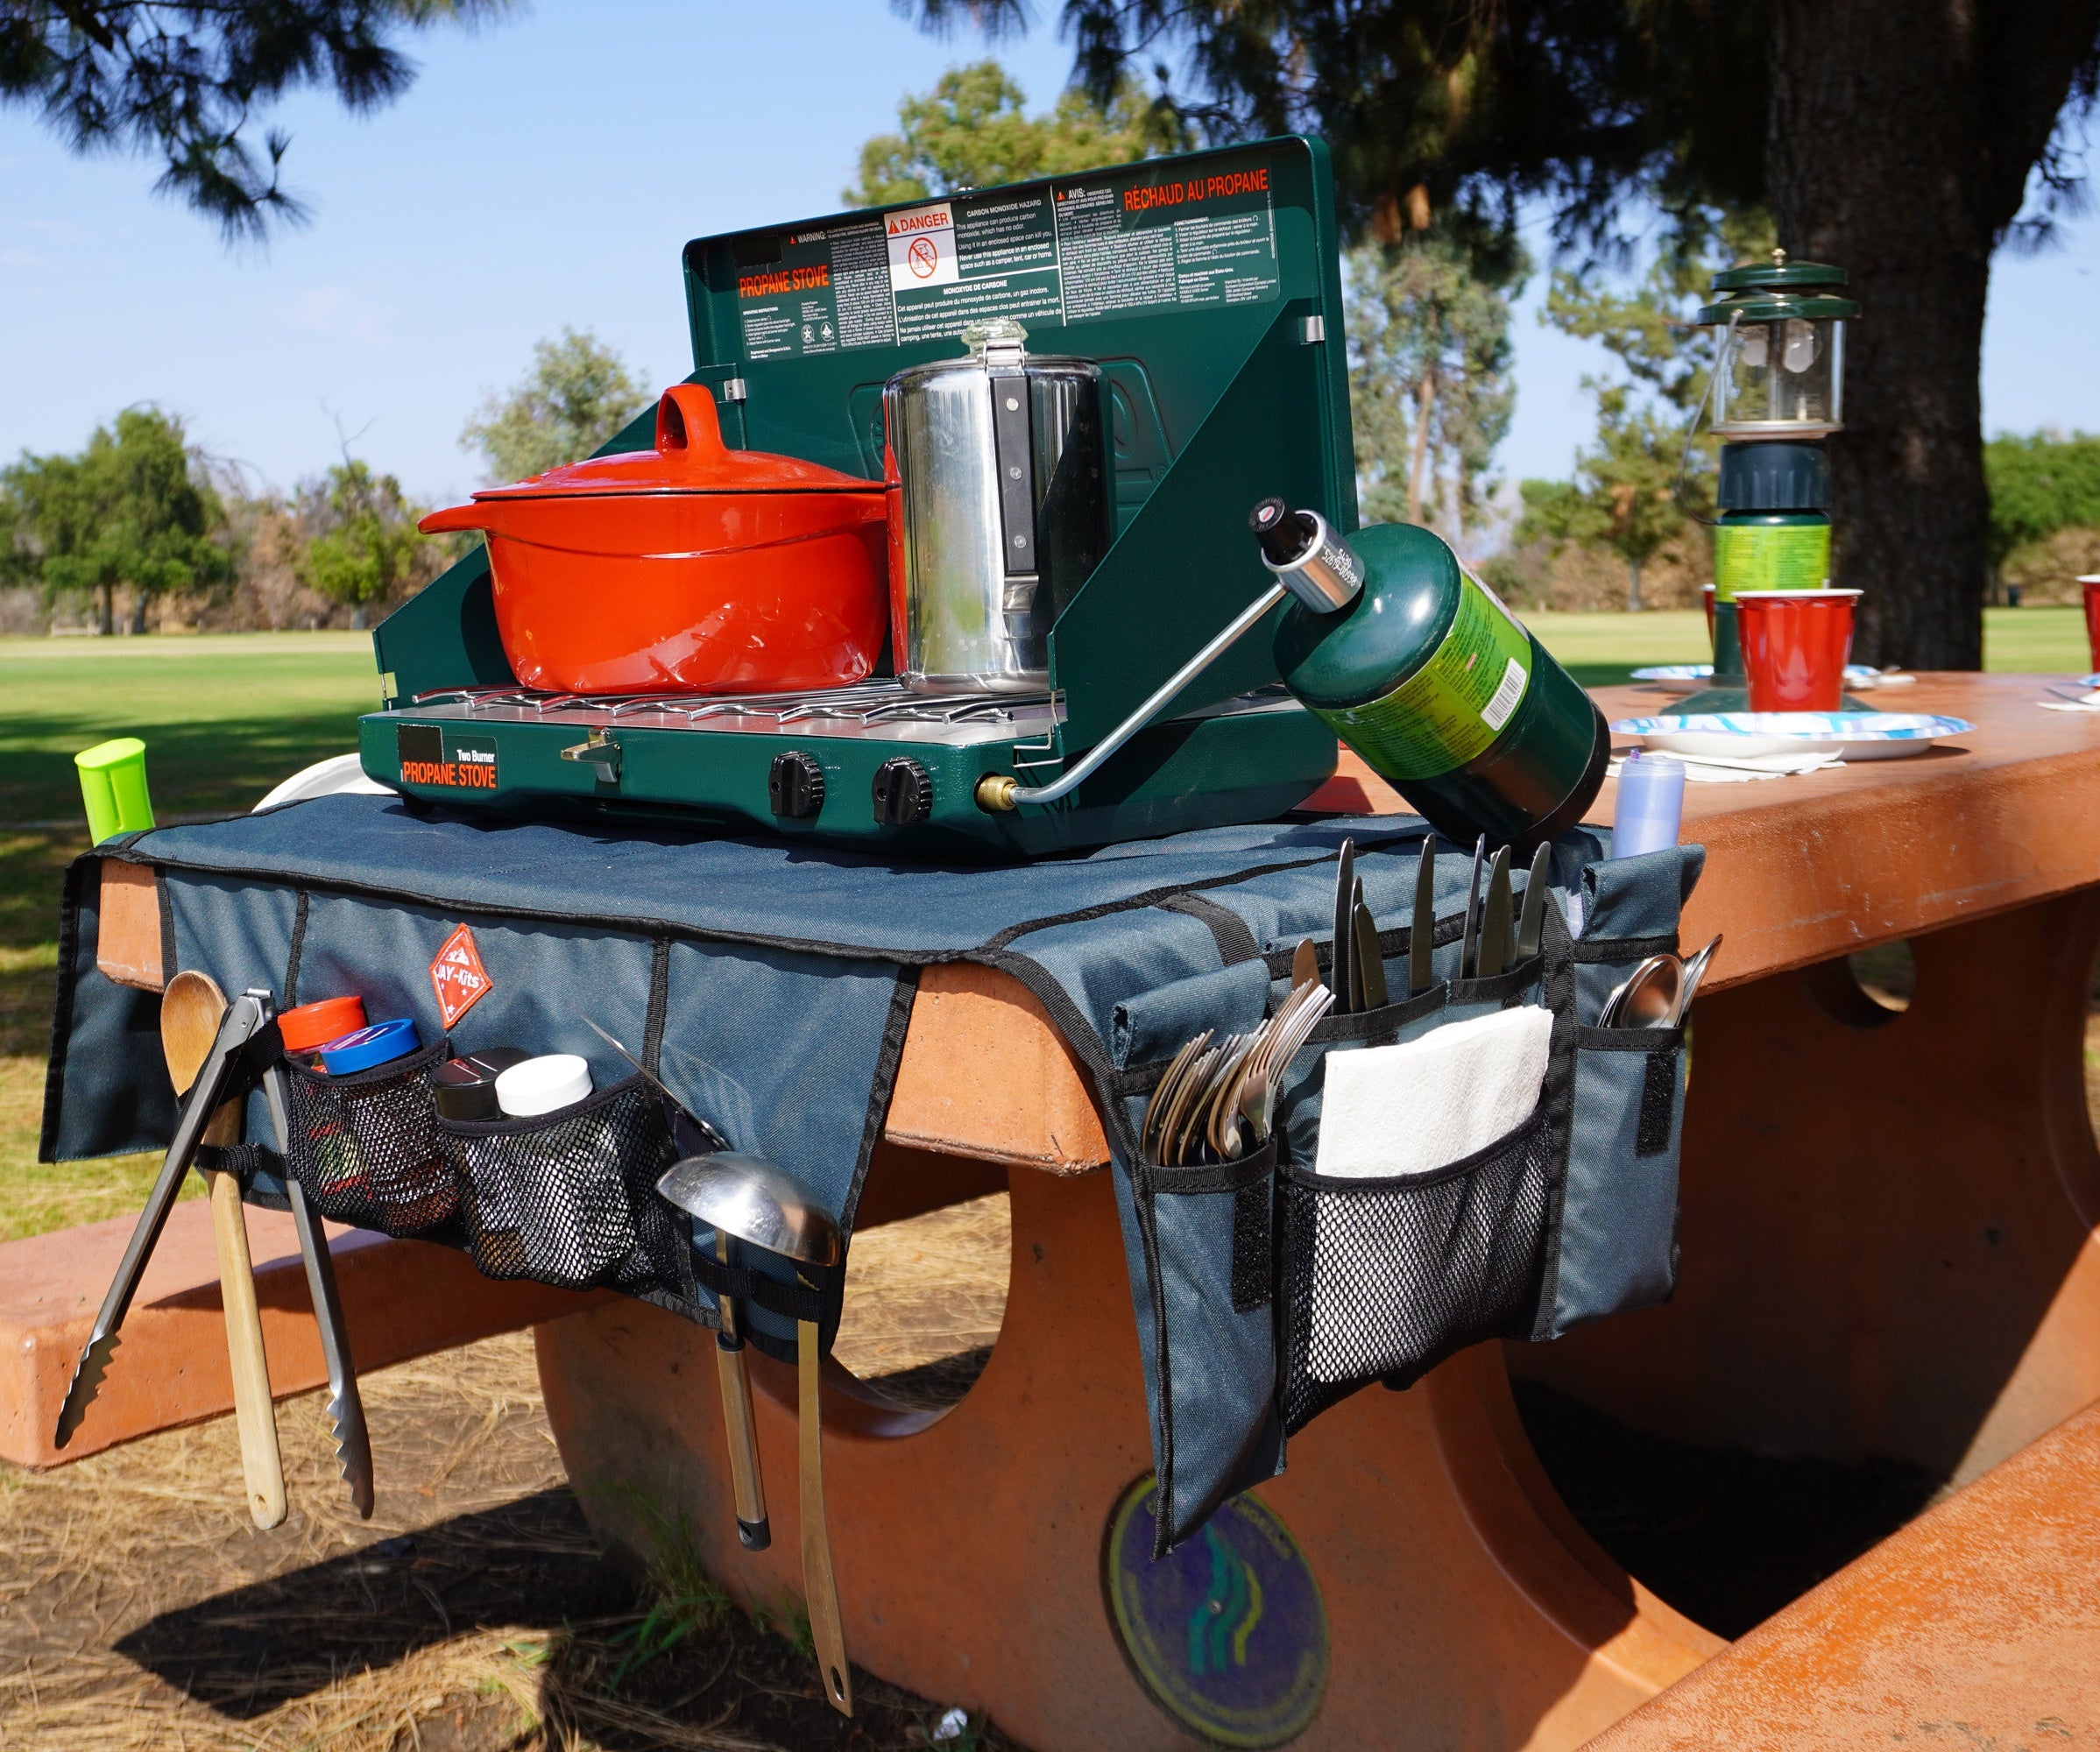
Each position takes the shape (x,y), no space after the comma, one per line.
(1589,951)
(1659,1104)
(739,1284)
(242,1161)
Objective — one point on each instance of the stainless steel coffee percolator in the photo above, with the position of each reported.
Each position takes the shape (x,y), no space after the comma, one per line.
(1001,479)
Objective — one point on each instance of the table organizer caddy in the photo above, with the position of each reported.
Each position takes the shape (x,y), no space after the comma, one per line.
(770,985)
(1569,1217)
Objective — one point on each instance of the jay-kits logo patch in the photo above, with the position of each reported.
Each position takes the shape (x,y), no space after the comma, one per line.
(457,976)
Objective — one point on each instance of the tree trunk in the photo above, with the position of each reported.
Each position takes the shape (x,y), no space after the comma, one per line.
(357,618)
(139,602)
(1425,398)
(1634,604)
(106,622)
(1900,140)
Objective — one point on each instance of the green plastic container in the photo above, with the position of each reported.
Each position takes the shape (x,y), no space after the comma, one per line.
(1446,694)
(113,786)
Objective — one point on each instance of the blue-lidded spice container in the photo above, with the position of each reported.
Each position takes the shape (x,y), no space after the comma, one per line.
(379,1044)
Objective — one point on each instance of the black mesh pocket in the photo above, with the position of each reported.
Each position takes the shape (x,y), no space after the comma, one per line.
(570,1197)
(366,1147)
(1383,1279)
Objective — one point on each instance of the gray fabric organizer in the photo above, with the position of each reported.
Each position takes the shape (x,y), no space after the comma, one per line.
(770,985)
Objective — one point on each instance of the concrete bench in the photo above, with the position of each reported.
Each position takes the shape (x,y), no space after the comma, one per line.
(401,1299)
(1977,1625)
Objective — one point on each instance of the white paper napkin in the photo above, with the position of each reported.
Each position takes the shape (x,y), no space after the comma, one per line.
(1406,1109)
(1707,769)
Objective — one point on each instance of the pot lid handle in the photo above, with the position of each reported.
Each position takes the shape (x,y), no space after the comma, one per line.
(686,422)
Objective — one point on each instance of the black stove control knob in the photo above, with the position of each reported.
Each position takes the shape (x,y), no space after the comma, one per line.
(795,786)
(904,792)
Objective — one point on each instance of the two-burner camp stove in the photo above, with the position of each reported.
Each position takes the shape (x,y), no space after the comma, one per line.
(1207,288)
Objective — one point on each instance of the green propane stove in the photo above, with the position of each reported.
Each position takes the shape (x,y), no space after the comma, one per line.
(1206,289)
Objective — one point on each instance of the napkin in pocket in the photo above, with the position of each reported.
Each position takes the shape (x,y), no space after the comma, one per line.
(1389,1265)
(1407,1109)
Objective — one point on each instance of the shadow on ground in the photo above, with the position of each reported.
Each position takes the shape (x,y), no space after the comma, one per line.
(249,1651)
(1726,1536)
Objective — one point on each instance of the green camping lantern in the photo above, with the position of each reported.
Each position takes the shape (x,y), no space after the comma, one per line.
(1778,392)
(1782,369)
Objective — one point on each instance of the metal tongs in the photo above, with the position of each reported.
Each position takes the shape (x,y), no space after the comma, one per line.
(247,1049)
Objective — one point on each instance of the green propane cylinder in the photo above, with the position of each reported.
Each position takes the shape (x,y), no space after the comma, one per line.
(1419,667)
(1773,534)
(1771,550)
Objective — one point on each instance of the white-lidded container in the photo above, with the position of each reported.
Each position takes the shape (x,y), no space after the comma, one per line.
(539,1085)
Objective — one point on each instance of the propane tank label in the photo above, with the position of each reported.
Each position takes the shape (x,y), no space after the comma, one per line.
(1451,708)
(1764,556)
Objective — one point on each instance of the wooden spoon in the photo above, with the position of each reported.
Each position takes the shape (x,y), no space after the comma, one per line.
(190,1009)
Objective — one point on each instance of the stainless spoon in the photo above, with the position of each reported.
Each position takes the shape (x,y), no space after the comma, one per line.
(1694,971)
(1648,999)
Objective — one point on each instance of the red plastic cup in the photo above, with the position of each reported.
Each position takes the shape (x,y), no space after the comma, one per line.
(1795,646)
(1705,601)
(2090,585)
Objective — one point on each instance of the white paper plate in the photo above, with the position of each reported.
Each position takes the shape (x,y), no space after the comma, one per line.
(1857,736)
(1688,678)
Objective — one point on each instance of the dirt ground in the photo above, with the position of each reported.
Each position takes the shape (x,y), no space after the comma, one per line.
(139,1608)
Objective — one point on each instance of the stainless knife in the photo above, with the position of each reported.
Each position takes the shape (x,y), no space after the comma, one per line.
(1495,918)
(1532,921)
(1345,895)
(1369,964)
(241,1026)
(714,1139)
(1421,937)
(1469,942)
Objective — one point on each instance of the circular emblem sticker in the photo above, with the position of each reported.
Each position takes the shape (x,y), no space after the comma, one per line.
(1227,1632)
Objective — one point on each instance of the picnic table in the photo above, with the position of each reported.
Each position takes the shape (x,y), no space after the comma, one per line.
(1887,1224)
(1887,1234)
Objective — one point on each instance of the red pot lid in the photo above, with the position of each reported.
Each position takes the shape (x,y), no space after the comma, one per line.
(689,457)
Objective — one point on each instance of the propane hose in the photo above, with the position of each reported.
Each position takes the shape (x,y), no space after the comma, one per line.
(1000,791)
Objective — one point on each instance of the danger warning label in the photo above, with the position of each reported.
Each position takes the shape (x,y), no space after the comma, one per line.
(457,976)
(922,247)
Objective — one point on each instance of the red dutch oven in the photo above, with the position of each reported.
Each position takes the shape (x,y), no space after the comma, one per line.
(688,568)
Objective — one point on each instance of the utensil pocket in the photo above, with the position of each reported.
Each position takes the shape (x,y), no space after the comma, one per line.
(1383,1279)
(1617,1249)
(569,1198)
(366,1146)
(1209,1233)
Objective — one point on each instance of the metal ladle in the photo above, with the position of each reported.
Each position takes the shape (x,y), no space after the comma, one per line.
(748,1198)
(754,1531)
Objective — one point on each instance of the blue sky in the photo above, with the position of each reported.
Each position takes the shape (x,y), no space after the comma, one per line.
(545,171)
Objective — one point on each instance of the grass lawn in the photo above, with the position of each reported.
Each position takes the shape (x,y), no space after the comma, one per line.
(225,717)
(1601,649)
